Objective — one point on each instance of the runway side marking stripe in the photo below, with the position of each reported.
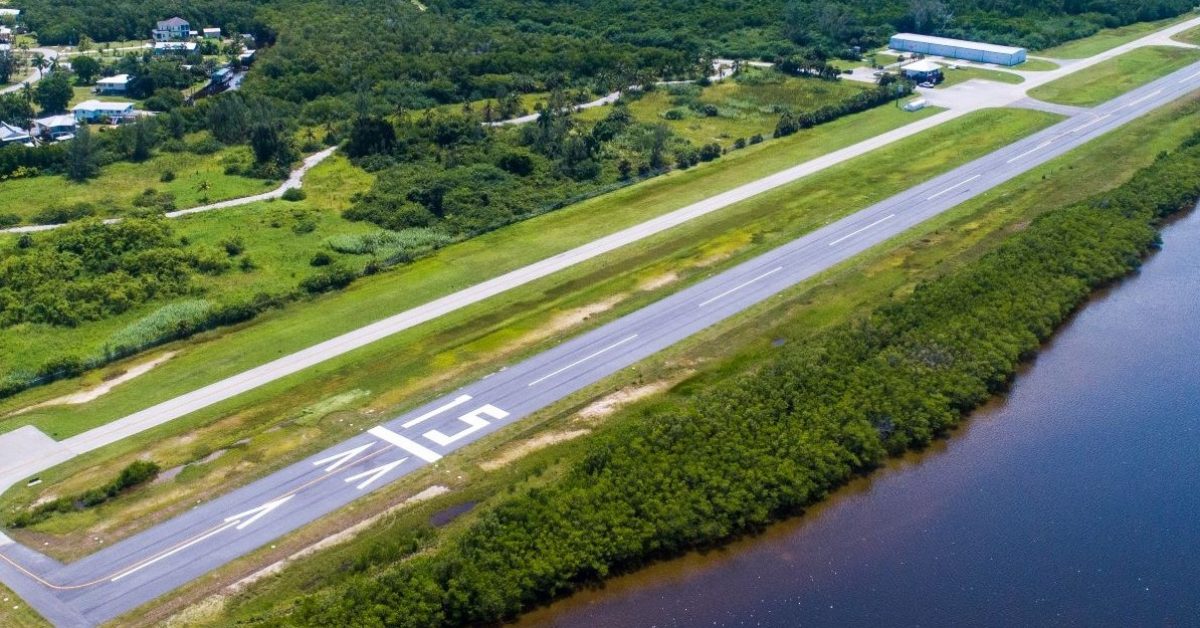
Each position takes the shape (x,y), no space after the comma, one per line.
(743,285)
(436,411)
(414,448)
(375,474)
(1030,151)
(582,360)
(854,233)
(174,551)
(954,187)
(1189,78)
(341,458)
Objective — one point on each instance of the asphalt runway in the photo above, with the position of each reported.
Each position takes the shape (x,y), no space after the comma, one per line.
(154,562)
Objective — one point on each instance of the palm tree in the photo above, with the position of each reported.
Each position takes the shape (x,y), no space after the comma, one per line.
(39,62)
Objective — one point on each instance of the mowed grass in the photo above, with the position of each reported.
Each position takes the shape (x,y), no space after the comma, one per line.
(1190,36)
(198,179)
(15,613)
(1109,38)
(748,104)
(233,350)
(1109,79)
(1036,65)
(967,73)
(399,371)
(850,289)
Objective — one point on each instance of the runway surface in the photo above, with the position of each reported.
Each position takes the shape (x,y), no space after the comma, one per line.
(156,561)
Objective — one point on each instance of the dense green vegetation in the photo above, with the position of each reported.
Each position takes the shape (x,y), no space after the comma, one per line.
(765,444)
(137,473)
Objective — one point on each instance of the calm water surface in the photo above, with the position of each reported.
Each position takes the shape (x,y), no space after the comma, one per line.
(1075,501)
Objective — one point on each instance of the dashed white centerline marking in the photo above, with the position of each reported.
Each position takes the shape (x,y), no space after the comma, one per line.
(743,285)
(1142,99)
(954,187)
(436,411)
(1189,78)
(412,447)
(1030,151)
(854,233)
(174,551)
(1090,123)
(582,360)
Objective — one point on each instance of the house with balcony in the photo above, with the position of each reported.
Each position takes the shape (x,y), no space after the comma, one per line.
(103,111)
(56,128)
(113,84)
(174,29)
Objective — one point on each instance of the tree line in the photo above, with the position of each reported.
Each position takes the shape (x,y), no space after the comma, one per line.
(780,436)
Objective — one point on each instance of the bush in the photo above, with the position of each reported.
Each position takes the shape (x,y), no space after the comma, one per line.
(60,214)
(8,220)
(233,245)
(137,473)
(167,176)
(169,322)
(293,195)
(321,258)
(333,277)
(391,246)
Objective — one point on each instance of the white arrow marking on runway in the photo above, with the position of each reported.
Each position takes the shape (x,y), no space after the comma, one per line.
(375,473)
(341,458)
(414,448)
(261,510)
(173,552)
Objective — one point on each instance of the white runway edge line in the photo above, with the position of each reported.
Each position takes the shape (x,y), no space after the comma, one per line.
(436,411)
(858,231)
(742,285)
(582,360)
(412,447)
(194,541)
(954,187)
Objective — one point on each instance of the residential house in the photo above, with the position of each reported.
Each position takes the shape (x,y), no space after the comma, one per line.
(113,84)
(174,29)
(10,134)
(10,13)
(212,33)
(56,128)
(6,35)
(103,111)
(174,47)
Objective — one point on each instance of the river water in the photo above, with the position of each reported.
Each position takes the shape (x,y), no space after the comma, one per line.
(1073,501)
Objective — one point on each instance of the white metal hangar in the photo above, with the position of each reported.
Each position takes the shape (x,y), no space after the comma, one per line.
(957,49)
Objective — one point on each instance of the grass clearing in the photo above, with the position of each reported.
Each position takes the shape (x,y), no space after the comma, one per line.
(857,286)
(279,421)
(1109,79)
(748,104)
(329,186)
(1109,38)
(967,73)
(197,179)
(1190,36)
(1036,65)
(15,613)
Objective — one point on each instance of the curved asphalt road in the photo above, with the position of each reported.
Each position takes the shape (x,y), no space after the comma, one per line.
(152,563)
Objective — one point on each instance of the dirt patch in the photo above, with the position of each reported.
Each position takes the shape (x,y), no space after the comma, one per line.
(605,406)
(578,316)
(330,541)
(655,283)
(110,382)
(527,447)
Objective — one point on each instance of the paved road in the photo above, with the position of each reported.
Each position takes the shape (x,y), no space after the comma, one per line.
(36,76)
(152,563)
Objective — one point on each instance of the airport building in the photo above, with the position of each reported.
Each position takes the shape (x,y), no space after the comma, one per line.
(957,49)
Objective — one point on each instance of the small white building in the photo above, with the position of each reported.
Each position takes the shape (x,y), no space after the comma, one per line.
(113,84)
(916,105)
(11,134)
(212,33)
(174,47)
(57,128)
(172,29)
(103,110)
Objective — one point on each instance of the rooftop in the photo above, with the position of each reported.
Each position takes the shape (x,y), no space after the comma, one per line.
(118,79)
(175,21)
(959,43)
(102,105)
(922,66)
(59,120)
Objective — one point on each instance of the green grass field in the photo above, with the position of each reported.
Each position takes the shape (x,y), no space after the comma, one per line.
(857,286)
(329,187)
(1190,36)
(15,613)
(747,105)
(1037,65)
(1109,38)
(966,73)
(1111,78)
(399,371)
(197,177)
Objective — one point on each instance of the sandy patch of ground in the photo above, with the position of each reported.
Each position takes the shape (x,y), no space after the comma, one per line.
(96,392)
(527,447)
(578,316)
(655,283)
(334,539)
